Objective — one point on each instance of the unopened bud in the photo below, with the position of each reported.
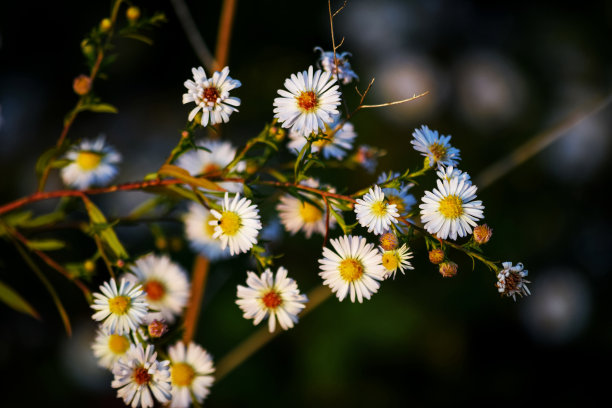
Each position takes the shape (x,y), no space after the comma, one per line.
(89,266)
(278,132)
(87,48)
(184,134)
(176,244)
(105,25)
(251,167)
(482,234)
(120,263)
(436,256)
(81,85)
(448,269)
(388,241)
(161,243)
(133,13)
(157,328)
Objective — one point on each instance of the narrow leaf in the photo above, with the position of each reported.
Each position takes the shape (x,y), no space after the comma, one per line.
(99,108)
(182,174)
(107,234)
(14,300)
(46,244)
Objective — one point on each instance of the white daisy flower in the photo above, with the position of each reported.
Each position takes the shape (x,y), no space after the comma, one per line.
(110,347)
(200,233)
(139,374)
(334,145)
(92,163)
(435,147)
(121,308)
(273,297)
(340,67)
(511,280)
(394,259)
(211,95)
(237,225)
(374,212)
(450,172)
(353,269)
(164,282)
(191,371)
(296,215)
(218,155)
(310,103)
(451,210)
(398,196)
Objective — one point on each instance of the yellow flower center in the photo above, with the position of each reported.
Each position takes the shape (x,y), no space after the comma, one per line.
(438,151)
(379,209)
(141,375)
(155,290)
(119,305)
(88,160)
(399,203)
(209,229)
(118,344)
(351,270)
(230,222)
(451,206)
(272,299)
(307,101)
(310,213)
(182,374)
(390,261)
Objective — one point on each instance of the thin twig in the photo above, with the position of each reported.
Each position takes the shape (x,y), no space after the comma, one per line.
(193,35)
(224,35)
(538,143)
(394,102)
(198,284)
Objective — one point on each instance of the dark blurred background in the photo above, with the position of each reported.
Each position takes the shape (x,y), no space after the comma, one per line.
(497,75)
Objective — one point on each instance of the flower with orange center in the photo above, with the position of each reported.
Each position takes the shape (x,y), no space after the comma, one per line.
(200,231)
(374,212)
(191,370)
(139,377)
(211,156)
(109,347)
(211,96)
(237,224)
(91,162)
(435,147)
(308,103)
(272,296)
(164,282)
(121,308)
(297,215)
(354,268)
(451,209)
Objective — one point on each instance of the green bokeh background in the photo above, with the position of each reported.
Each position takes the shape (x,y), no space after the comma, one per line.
(422,340)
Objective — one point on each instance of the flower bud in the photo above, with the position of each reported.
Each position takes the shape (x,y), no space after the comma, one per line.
(278,132)
(176,244)
(87,48)
(81,85)
(133,13)
(388,241)
(89,266)
(436,256)
(161,243)
(184,134)
(448,269)
(157,328)
(120,263)
(482,234)
(105,25)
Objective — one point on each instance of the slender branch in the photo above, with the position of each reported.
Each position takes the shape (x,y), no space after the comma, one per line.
(224,34)
(538,143)
(193,35)
(262,336)
(198,284)
(394,102)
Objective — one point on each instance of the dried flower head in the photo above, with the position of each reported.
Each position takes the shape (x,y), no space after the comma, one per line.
(448,269)
(81,85)
(157,328)
(511,280)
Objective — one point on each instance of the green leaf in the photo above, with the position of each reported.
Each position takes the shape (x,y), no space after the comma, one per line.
(46,244)
(14,300)
(139,37)
(182,174)
(44,159)
(104,230)
(98,107)
(44,219)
